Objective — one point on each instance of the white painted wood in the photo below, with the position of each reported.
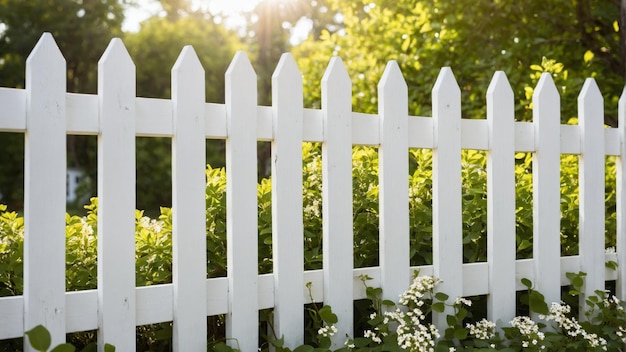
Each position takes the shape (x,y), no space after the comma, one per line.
(501,200)
(82,113)
(12,313)
(393,182)
(621,199)
(153,119)
(241,204)
(337,196)
(189,204)
(13,111)
(447,220)
(44,190)
(265,123)
(287,226)
(611,141)
(116,198)
(591,188)
(420,132)
(546,189)
(365,129)
(81,310)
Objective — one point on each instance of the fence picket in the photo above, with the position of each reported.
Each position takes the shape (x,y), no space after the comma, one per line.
(500,207)
(188,204)
(46,113)
(621,199)
(116,198)
(44,190)
(591,188)
(337,196)
(447,217)
(287,227)
(393,182)
(241,204)
(546,189)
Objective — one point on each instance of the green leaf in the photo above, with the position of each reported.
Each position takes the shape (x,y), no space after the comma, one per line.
(451,320)
(527,283)
(39,338)
(460,333)
(387,302)
(303,348)
(537,303)
(440,296)
(327,315)
(92,347)
(438,307)
(109,348)
(611,265)
(64,347)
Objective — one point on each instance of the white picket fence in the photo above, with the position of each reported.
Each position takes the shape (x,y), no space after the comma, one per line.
(45,112)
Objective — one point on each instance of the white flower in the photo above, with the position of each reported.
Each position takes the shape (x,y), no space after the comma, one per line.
(483,330)
(327,331)
(461,300)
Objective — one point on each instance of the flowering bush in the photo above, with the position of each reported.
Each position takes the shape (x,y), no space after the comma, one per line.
(407,326)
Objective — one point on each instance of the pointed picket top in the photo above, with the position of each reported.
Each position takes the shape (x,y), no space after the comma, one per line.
(46,56)
(621,197)
(545,90)
(287,70)
(240,68)
(392,82)
(500,88)
(188,64)
(590,100)
(116,57)
(393,183)
(446,93)
(336,74)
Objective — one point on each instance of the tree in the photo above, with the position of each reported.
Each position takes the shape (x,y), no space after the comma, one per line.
(474,38)
(155,49)
(82,29)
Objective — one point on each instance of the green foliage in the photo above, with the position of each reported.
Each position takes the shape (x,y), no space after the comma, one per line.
(39,338)
(408,326)
(475,39)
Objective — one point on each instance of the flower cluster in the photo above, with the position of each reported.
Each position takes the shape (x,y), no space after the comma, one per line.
(327,331)
(415,293)
(482,330)
(529,330)
(153,225)
(408,326)
(570,326)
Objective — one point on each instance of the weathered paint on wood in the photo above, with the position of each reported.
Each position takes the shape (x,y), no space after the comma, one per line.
(546,189)
(500,210)
(337,196)
(393,182)
(287,226)
(44,190)
(45,112)
(241,204)
(116,198)
(591,188)
(188,204)
(447,217)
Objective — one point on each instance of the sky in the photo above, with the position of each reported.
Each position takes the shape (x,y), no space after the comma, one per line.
(231,9)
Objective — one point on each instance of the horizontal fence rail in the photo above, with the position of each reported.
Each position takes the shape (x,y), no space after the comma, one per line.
(45,113)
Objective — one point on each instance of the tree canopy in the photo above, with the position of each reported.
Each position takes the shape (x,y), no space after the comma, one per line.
(570,39)
(578,39)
